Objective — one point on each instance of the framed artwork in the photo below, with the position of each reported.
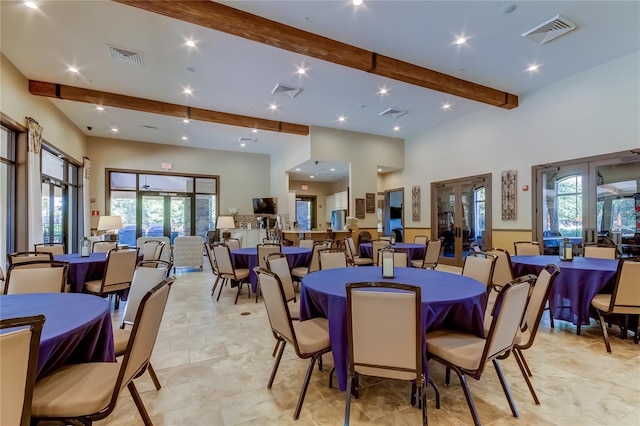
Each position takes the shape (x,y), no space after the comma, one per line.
(415,203)
(360,208)
(509,194)
(371,202)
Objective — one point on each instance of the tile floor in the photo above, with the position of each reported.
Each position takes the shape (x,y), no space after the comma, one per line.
(214,360)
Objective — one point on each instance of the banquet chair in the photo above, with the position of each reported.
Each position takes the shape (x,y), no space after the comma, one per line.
(228,272)
(310,338)
(420,239)
(165,254)
(144,279)
(431,255)
(214,265)
(300,272)
(307,243)
(625,298)
(263,250)
(19,346)
(237,236)
(480,267)
(376,246)
(468,354)
(187,252)
(278,264)
(83,393)
(28,256)
(599,252)
(36,277)
(400,258)
(332,259)
(233,243)
(152,250)
(103,246)
(389,345)
(527,248)
(354,259)
(118,273)
(503,271)
(53,248)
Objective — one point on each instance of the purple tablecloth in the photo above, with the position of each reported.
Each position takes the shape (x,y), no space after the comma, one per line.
(248,258)
(414,251)
(82,269)
(77,328)
(448,300)
(575,286)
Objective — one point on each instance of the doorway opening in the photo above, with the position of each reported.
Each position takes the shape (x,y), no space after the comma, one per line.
(306,212)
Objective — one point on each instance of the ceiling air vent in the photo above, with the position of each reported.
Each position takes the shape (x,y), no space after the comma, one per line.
(553,28)
(246,140)
(290,91)
(390,112)
(146,126)
(119,54)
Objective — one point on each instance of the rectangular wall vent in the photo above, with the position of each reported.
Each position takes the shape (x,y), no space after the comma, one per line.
(390,112)
(551,29)
(126,56)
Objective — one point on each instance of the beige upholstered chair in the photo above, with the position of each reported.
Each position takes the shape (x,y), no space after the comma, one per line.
(237,236)
(19,345)
(278,264)
(144,279)
(187,252)
(420,239)
(307,243)
(300,272)
(431,255)
(480,266)
(388,345)
(527,248)
(36,277)
(310,339)
(103,246)
(353,258)
(263,250)
(599,252)
(118,274)
(331,259)
(503,271)
(376,246)
(385,238)
(228,272)
(89,392)
(233,243)
(53,248)
(152,250)
(165,254)
(28,256)
(625,299)
(400,259)
(467,354)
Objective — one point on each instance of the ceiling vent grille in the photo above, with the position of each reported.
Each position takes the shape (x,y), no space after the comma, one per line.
(390,112)
(147,126)
(551,29)
(290,91)
(119,54)
(246,140)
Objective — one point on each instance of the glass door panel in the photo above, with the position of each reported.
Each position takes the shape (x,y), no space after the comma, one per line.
(152,216)
(53,214)
(167,215)
(445,202)
(180,220)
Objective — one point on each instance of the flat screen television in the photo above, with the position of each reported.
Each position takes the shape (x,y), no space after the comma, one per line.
(264,206)
(395,212)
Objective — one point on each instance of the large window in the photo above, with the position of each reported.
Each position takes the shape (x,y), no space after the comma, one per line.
(155,205)
(7,191)
(569,209)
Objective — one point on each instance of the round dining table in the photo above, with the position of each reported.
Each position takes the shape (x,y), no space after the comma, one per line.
(578,282)
(448,301)
(248,258)
(77,327)
(83,269)
(414,251)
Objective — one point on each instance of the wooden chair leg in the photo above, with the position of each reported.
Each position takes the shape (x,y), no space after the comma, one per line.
(276,364)
(605,335)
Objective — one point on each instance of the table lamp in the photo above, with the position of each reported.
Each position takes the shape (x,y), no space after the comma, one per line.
(225,223)
(110,224)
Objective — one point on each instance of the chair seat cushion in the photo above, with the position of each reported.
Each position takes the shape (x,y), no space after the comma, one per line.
(294,309)
(94,287)
(300,271)
(417,263)
(461,349)
(242,273)
(120,340)
(312,335)
(75,390)
(362,261)
(601,302)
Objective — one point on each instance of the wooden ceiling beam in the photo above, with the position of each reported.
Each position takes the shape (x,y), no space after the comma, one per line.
(77,94)
(226,19)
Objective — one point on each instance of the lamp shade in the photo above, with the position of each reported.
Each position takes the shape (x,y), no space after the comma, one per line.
(108,223)
(225,222)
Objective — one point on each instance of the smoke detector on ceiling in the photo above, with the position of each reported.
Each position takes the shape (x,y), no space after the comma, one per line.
(126,56)
(551,29)
(290,91)
(390,112)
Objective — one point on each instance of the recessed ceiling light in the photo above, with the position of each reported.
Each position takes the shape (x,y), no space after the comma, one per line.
(273,107)
(185,120)
(100,108)
(187,91)
(302,70)
(243,144)
(383,90)
(396,128)
(254,130)
(312,176)
(461,40)
(333,170)
(114,129)
(342,118)
(446,106)
(191,43)
(356,2)
(379,169)
(30,5)
(298,169)
(184,138)
(73,69)
(533,67)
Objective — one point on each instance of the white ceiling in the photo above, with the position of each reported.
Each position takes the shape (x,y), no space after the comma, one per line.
(235,75)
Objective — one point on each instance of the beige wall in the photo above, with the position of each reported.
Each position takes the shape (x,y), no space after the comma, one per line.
(242,175)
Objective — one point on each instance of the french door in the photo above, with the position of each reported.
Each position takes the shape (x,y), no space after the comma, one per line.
(461,216)
(166,214)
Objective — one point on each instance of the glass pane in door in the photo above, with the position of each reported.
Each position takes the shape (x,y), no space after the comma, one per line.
(446,204)
(303,214)
(58,215)
(180,216)
(152,216)
(123,204)
(46,212)
(468,234)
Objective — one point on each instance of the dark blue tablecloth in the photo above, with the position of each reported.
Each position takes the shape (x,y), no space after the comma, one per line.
(83,269)
(448,300)
(77,328)
(248,258)
(575,286)
(414,251)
